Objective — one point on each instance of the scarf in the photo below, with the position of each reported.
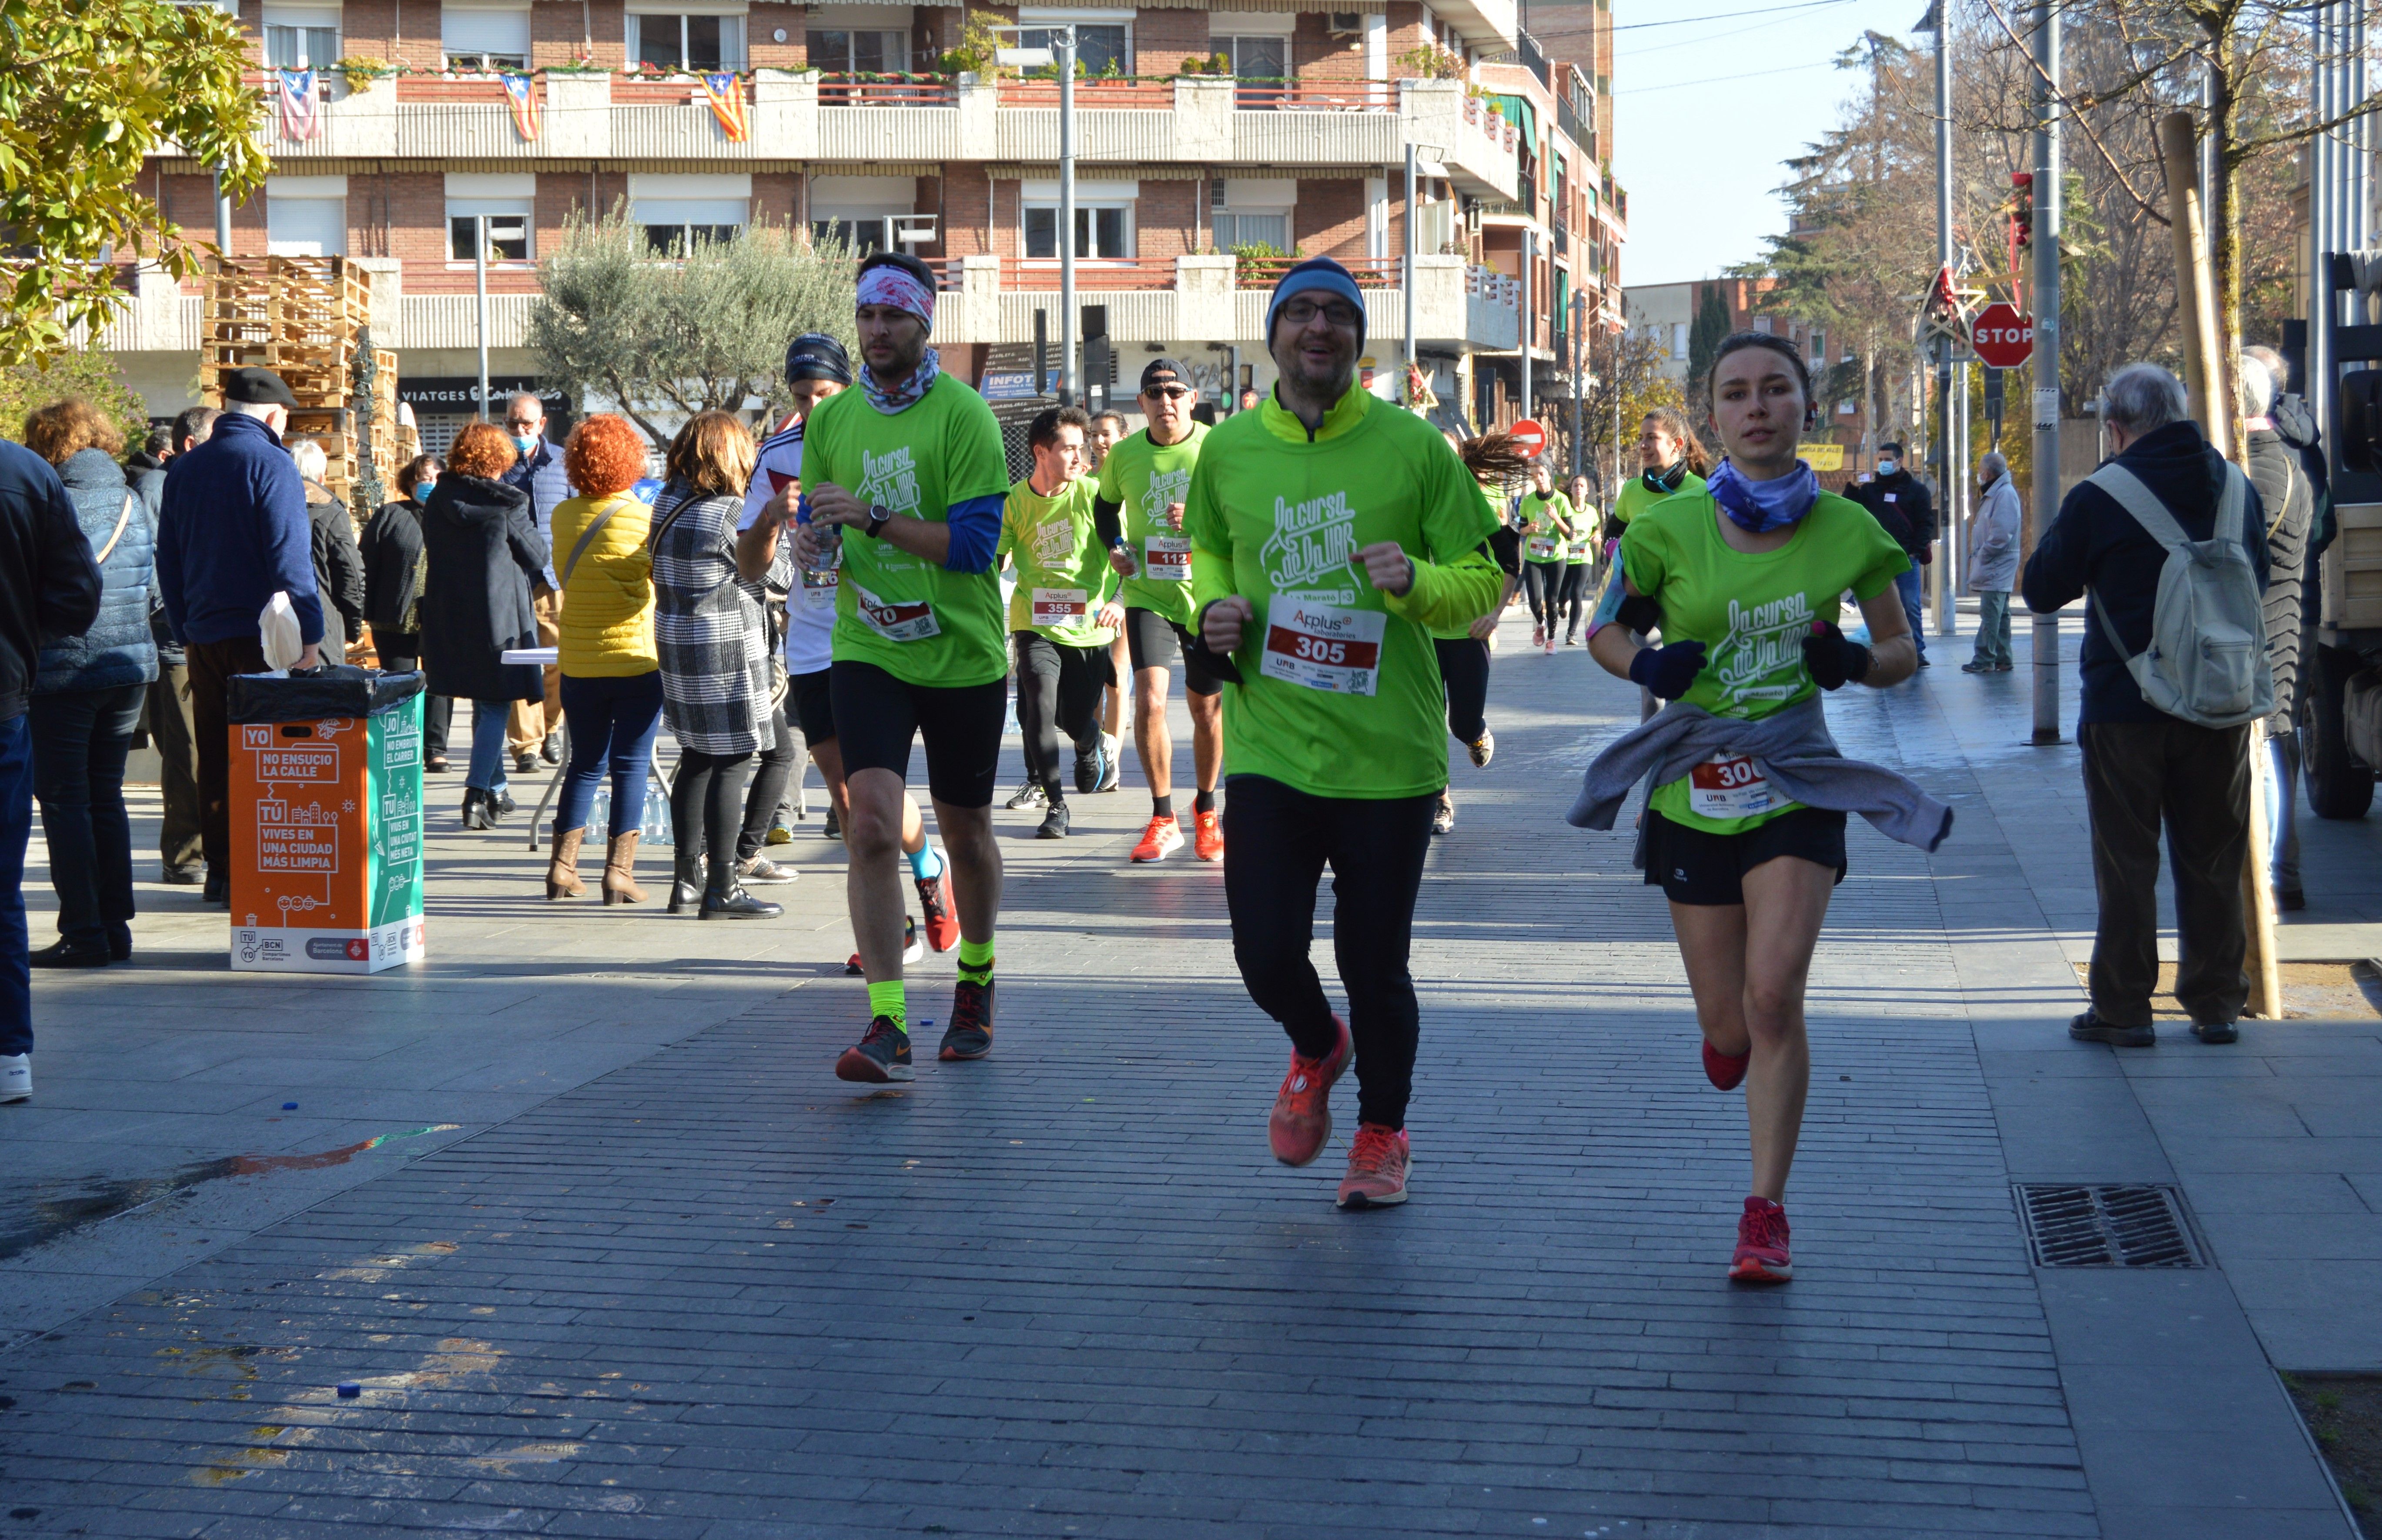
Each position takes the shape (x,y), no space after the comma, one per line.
(1758,507)
(1666,481)
(908,394)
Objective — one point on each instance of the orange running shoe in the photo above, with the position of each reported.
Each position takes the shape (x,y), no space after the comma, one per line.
(935,898)
(1761,1245)
(1302,1109)
(1162,838)
(1377,1168)
(1207,835)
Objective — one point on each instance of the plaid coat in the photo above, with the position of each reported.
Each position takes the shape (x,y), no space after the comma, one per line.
(710,629)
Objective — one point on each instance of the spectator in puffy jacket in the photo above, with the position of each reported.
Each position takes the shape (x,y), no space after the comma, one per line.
(87,694)
(331,541)
(1992,565)
(2290,497)
(391,548)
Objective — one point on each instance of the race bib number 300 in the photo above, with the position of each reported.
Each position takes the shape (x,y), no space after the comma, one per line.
(909,621)
(1324,647)
(1060,607)
(1729,786)
(1167,559)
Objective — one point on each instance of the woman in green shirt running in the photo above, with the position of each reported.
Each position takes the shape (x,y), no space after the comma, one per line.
(1670,460)
(1745,579)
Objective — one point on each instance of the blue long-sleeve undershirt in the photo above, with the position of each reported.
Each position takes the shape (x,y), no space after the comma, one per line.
(975,533)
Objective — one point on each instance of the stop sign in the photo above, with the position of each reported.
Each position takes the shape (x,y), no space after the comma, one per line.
(2003,337)
(1530,436)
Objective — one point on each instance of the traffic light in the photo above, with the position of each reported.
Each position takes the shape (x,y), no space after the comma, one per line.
(2021,218)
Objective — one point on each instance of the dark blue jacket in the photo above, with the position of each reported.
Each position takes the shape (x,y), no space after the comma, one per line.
(234,532)
(118,650)
(2096,543)
(49,586)
(540,475)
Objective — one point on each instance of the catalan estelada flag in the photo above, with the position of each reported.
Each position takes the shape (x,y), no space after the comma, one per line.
(301,115)
(520,94)
(727,99)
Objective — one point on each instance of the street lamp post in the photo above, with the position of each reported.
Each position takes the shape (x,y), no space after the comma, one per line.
(480,289)
(1063,41)
(2045,628)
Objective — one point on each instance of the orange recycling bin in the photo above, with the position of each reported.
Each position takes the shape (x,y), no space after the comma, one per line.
(325,821)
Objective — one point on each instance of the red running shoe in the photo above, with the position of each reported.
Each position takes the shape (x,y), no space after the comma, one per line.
(1302,1109)
(1160,839)
(1378,1163)
(935,898)
(1761,1245)
(1725,1070)
(1207,835)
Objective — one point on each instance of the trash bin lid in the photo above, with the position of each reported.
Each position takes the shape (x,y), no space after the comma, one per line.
(335,690)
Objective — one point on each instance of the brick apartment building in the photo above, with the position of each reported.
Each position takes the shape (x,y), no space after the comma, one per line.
(1300,145)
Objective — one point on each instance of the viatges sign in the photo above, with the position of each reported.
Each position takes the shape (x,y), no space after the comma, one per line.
(459,396)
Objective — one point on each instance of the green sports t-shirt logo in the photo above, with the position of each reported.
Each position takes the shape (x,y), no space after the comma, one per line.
(1312,544)
(1165,487)
(1764,643)
(890,478)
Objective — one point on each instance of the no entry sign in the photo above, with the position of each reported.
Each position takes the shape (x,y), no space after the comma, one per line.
(1530,436)
(2003,337)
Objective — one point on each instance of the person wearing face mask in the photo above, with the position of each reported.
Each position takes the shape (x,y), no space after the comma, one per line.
(534,729)
(1901,503)
(391,547)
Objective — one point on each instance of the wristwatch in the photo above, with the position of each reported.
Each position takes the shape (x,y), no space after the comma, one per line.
(878,517)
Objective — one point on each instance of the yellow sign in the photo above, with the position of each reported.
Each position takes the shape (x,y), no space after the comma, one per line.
(1824,457)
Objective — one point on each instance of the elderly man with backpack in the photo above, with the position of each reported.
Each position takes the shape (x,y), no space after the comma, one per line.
(2167,542)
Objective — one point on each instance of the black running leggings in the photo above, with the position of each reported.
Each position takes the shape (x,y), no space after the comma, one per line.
(708,796)
(1572,598)
(1464,669)
(1058,690)
(770,778)
(1541,581)
(1277,842)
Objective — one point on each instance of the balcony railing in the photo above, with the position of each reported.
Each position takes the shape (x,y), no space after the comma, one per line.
(1040,275)
(1534,58)
(1568,121)
(858,91)
(1368,272)
(1316,96)
(1093,95)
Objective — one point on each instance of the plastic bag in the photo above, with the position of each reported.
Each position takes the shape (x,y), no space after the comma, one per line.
(276,630)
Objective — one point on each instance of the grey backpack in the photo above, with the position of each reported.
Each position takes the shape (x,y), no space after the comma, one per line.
(2206,662)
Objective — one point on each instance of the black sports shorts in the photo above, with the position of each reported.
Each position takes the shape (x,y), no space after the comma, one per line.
(1151,641)
(878,718)
(1693,867)
(813,704)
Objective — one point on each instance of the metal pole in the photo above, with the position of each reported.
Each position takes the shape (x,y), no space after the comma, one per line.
(1939,600)
(480,288)
(1579,368)
(1407,272)
(1529,317)
(1064,44)
(223,219)
(2046,501)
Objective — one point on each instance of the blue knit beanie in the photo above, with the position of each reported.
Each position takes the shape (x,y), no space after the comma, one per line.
(1316,273)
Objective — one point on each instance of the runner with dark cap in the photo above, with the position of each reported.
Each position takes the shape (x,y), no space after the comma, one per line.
(1330,531)
(1145,478)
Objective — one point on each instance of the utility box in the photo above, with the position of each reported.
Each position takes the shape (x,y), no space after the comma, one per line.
(325,821)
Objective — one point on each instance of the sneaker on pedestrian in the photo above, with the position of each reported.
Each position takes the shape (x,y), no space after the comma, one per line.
(778,834)
(970,1034)
(1054,823)
(1378,1163)
(2216,1031)
(1571,639)
(1727,1071)
(1537,635)
(1160,839)
(1112,763)
(2002,668)
(1761,1245)
(912,949)
(834,829)
(1976,665)
(1207,835)
(1301,1123)
(1550,644)
(1923,663)
(761,869)
(1443,816)
(16,1078)
(878,1059)
(935,902)
(2090,1028)
(1027,795)
(1482,749)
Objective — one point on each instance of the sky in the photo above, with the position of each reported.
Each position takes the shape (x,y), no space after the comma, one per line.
(1688,97)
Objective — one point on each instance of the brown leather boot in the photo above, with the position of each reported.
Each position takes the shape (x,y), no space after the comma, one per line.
(562,870)
(621,870)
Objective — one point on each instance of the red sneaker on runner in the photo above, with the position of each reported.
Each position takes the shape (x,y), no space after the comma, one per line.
(1760,1245)
(1725,1070)
(1207,835)
(1162,838)
(935,898)
(1377,1168)
(1302,1109)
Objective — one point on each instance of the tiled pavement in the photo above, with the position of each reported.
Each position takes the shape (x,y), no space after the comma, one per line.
(667,1277)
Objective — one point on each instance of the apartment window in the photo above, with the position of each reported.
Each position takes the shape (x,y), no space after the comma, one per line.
(484,42)
(839,50)
(508,227)
(1102,229)
(1101,48)
(676,210)
(689,43)
(1251,213)
(298,39)
(306,217)
(1265,59)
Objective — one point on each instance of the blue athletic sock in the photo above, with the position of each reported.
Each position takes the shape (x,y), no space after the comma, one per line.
(926,862)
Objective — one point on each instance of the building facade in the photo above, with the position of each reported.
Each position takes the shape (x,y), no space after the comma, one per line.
(1200,129)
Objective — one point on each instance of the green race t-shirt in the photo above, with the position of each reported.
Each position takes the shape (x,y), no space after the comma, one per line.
(1339,693)
(1635,496)
(1751,611)
(1584,526)
(1543,538)
(1064,577)
(918,621)
(1144,478)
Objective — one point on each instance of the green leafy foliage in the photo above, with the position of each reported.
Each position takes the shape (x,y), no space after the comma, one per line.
(89,88)
(89,373)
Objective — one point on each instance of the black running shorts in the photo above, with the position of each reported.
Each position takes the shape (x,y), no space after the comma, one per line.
(813,704)
(1693,867)
(1151,641)
(878,718)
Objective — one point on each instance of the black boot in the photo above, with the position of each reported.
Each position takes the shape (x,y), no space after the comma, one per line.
(686,883)
(478,812)
(725,898)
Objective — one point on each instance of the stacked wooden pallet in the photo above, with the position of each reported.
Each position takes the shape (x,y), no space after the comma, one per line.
(302,317)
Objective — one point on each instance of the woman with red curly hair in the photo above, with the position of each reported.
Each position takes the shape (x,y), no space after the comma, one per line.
(482,549)
(611,674)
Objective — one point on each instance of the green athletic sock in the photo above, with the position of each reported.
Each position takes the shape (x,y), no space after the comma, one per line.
(976,960)
(927,864)
(890,999)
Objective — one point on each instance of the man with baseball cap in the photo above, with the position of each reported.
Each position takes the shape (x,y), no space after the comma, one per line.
(232,532)
(1329,531)
(1145,478)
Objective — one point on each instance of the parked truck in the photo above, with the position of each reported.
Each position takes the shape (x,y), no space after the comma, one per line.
(2340,369)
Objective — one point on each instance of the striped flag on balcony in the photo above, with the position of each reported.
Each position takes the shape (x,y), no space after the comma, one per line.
(727,100)
(520,94)
(301,115)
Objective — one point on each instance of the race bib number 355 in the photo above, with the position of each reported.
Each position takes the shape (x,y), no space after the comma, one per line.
(1060,607)
(904,621)
(1729,786)
(1324,646)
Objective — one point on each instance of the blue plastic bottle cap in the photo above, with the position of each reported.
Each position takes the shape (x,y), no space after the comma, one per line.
(350,1390)
(290,1107)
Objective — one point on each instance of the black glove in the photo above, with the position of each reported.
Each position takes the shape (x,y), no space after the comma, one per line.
(1834,661)
(1640,614)
(1669,671)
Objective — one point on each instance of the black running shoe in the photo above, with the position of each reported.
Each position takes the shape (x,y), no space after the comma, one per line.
(1027,795)
(1089,769)
(970,1034)
(1054,823)
(881,1056)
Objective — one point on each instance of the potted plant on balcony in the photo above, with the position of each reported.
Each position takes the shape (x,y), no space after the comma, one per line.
(359,70)
(583,62)
(1257,263)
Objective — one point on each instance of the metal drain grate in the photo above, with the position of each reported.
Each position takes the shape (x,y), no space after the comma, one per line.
(2106,1227)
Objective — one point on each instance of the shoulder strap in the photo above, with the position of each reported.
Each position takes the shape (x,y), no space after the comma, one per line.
(2229,506)
(2140,501)
(131,500)
(579,546)
(654,536)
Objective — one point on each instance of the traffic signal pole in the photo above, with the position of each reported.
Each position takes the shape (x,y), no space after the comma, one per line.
(2044,504)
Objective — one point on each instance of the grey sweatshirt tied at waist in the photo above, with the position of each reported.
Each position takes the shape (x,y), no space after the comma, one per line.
(1793,751)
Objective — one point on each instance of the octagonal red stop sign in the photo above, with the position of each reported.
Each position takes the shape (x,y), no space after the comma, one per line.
(2003,337)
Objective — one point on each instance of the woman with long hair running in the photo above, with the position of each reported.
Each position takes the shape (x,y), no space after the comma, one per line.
(1745,827)
(1670,460)
(1546,518)
(1495,463)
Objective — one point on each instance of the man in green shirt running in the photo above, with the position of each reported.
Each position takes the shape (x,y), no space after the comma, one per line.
(905,477)
(1329,531)
(1061,613)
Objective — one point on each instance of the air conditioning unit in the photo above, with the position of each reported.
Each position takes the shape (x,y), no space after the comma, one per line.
(1347,23)
(914,229)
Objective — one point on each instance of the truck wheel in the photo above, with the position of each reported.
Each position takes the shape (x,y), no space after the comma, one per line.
(2337,785)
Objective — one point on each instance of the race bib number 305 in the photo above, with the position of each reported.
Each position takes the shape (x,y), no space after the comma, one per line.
(904,621)
(1324,646)
(1167,559)
(1728,786)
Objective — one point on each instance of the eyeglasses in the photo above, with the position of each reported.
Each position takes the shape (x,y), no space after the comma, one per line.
(1169,393)
(1302,312)
(523,424)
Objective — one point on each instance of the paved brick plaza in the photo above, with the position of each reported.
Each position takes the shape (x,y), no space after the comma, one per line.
(664,1275)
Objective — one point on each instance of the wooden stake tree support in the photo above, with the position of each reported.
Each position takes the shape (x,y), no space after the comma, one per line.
(306,318)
